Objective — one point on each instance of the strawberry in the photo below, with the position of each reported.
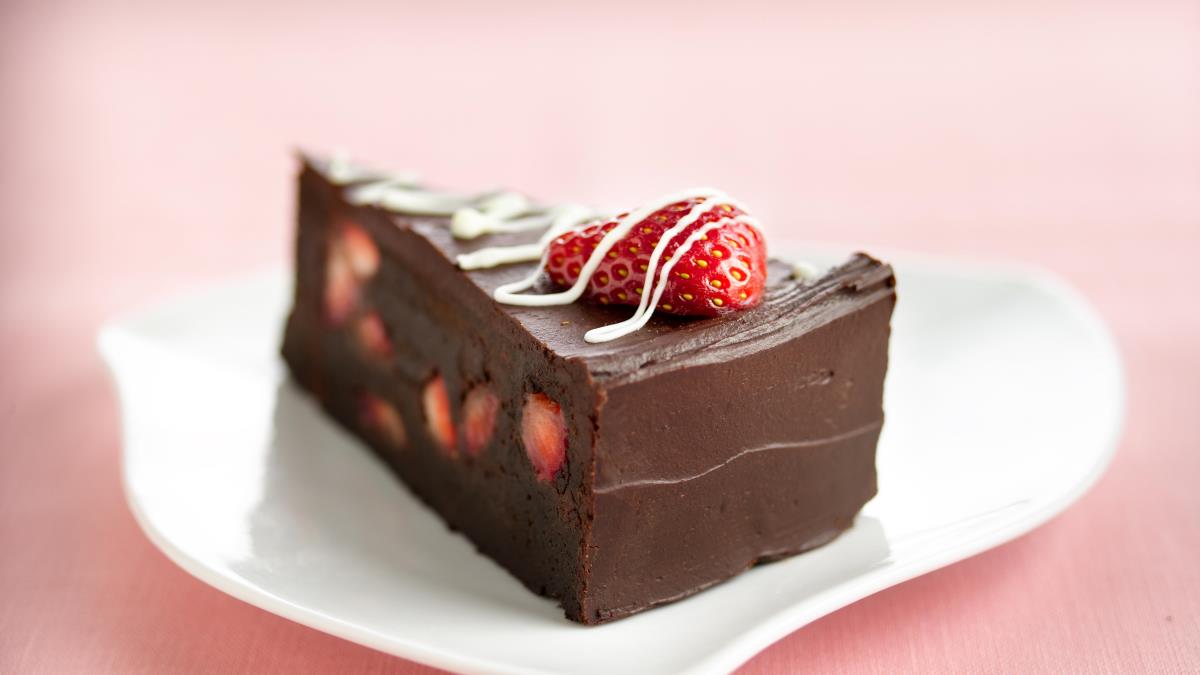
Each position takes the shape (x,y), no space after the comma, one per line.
(372,336)
(479,418)
(351,260)
(437,414)
(724,271)
(544,433)
(358,248)
(340,295)
(382,417)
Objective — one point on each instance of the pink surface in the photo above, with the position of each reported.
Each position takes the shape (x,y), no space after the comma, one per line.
(145,148)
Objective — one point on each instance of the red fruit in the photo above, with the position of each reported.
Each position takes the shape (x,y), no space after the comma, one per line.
(437,414)
(544,433)
(479,418)
(341,291)
(352,259)
(358,248)
(372,335)
(382,417)
(723,272)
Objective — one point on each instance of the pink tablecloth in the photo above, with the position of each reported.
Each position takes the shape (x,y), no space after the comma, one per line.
(145,148)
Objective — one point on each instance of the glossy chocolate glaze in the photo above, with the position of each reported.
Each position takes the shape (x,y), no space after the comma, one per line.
(697,447)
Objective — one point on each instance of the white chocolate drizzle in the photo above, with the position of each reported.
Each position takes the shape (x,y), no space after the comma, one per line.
(341,171)
(646,310)
(560,220)
(804,271)
(500,212)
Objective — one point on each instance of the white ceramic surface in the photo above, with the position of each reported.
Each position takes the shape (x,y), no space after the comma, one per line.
(1004,403)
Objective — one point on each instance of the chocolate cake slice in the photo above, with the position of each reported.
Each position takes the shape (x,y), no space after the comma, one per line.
(610,475)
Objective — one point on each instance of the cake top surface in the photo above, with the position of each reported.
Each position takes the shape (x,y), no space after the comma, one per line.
(789,304)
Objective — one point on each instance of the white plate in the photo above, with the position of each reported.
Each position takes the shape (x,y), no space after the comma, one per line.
(1004,403)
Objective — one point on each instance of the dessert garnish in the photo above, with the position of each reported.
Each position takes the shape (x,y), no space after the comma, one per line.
(693,253)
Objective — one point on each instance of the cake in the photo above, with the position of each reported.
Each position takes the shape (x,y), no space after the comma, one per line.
(513,366)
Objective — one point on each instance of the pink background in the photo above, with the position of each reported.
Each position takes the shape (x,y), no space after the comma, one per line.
(145,148)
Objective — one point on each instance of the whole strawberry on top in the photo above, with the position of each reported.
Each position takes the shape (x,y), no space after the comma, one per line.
(725,270)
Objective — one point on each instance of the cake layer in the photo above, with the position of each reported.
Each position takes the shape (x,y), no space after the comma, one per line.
(695,447)
(753,458)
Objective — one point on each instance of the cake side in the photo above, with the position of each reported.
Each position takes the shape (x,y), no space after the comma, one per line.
(755,458)
(436,326)
(811,372)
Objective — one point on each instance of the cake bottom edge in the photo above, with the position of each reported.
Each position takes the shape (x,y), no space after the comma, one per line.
(824,538)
